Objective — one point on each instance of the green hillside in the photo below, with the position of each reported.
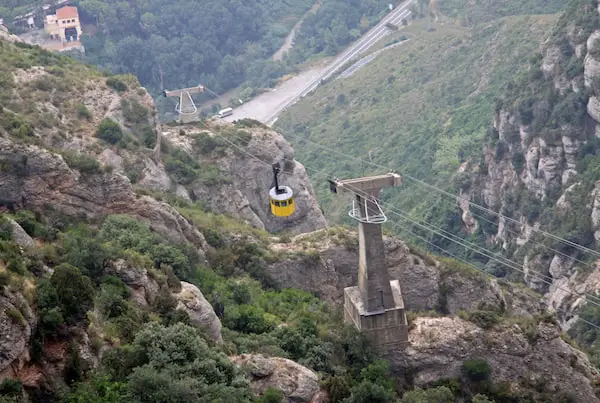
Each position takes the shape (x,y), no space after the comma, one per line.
(476,11)
(417,106)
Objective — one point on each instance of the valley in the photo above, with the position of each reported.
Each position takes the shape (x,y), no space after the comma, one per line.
(141,259)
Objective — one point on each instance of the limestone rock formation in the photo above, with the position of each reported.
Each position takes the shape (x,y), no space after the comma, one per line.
(326,262)
(202,314)
(534,166)
(527,358)
(17,322)
(38,178)
(144,289)
(298,383)
(20,236)
(248,170)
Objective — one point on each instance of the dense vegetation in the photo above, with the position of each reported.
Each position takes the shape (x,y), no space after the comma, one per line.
(143,360)
(335,24)
(220,44)
(12,8)
(416,108)
(475,12)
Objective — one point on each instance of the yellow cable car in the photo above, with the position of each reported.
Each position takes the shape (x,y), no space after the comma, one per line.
(281,197)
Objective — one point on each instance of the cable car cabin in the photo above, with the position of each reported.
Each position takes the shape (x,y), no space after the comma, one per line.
(282,201)
(281,197)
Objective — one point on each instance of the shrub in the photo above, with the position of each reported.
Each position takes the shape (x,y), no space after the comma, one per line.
(205,143)
(6,231)
(4,279)
(15,125)
(476,370)
(81,162)
(248,319)
(182,167)
(74,292)
(272,395)
(109,131)
(116,84)
(11,387)
(518,161)
(15,316)
(83,112)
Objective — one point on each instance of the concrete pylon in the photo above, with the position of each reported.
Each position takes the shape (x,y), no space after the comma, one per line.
(375,307)
(188,112)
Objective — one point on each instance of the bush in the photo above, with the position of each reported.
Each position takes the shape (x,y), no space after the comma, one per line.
(81,162)
(248,319)
(83,112)
(476,370)
(116,84)
(272,395)
(109,131)
(74,292)
(11,388)
(182,167)
(15,125)
(6,231)
(205,143)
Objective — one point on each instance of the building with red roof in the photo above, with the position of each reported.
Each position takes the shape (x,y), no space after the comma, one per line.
(64,25)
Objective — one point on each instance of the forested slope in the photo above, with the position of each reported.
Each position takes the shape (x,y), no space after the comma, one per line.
(220,44)
(121,282)
(415,106)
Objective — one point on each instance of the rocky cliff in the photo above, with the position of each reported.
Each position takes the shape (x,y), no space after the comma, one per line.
(524,359)
(60,147)
(326,262)
(539,164)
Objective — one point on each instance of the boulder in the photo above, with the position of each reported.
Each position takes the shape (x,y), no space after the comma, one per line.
(298,383)
(191,300)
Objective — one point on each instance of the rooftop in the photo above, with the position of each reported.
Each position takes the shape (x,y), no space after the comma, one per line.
(67,12)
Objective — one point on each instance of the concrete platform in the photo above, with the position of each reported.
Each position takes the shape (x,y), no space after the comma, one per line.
(386,328)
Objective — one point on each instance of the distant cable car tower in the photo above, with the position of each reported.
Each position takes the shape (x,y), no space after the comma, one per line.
(188,112)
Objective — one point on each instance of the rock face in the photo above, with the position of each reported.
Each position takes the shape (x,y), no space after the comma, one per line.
(327,261)
(298,383)
(20,236)
(531,167)
(201,313)
(534,359)
(144,289)
(37,179)
(247,167)
(16,324)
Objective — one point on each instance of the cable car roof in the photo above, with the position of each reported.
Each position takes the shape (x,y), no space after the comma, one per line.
(282,196)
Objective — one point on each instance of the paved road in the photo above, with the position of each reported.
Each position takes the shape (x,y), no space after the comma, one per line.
(268,111)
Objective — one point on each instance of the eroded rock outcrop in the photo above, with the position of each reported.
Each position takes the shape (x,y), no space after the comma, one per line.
(326,262)
(17,322)
(37,179)
(529,358)
(247,167)
(534,167)
(191,300)
(298,383)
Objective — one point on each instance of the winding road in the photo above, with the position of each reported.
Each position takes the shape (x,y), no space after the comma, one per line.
(267,107)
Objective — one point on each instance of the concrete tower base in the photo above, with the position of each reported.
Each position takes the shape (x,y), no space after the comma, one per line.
(385,329)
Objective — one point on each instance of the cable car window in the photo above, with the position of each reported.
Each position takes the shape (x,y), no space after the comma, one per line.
(283,204)
(277,203)
(290,201)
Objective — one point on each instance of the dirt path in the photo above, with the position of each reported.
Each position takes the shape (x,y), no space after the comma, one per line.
(289,40)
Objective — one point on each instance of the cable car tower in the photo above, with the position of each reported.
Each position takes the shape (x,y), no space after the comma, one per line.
(188,112)
(375,307)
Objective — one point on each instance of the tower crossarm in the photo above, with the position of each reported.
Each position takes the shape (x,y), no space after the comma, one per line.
(177,93)
(367,184)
